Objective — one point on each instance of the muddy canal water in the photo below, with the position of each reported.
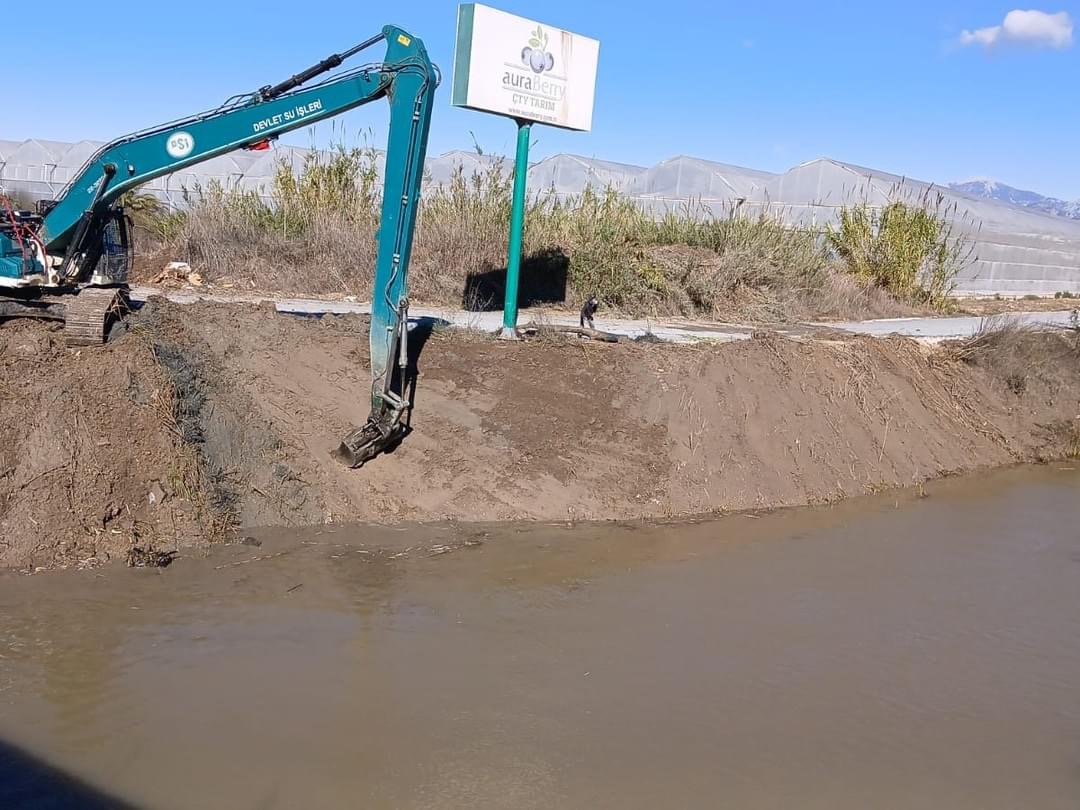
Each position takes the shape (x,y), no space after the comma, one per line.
(896,652)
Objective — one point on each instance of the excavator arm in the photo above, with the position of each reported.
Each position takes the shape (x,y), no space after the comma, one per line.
(406,76)
(62,249)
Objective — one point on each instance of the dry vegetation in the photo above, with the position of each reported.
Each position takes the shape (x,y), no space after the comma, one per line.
(1017,353)
(314,232)
(1023,358)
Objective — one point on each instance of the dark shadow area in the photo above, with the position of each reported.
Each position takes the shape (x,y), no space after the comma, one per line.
(543,281)
(28,783)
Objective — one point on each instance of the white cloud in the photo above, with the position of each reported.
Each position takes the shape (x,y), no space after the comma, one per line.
(1037,29)
(981,36)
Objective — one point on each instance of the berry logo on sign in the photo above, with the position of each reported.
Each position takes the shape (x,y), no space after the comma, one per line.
(524,69)
(536,55)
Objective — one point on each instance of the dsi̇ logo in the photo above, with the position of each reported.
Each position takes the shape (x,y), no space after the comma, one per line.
(180,145)
(536,55)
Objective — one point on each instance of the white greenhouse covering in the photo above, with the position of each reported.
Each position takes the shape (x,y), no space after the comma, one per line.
(567,175)
(685,178)
(1018,251)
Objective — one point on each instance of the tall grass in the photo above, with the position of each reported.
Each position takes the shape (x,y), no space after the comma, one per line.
(912,248)
(315,231)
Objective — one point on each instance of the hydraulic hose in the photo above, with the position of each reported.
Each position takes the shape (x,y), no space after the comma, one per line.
(305,76)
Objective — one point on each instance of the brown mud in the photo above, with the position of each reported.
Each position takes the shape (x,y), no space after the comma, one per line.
(890,652)
(206,418)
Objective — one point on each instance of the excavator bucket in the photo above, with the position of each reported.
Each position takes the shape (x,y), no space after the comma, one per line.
(364,443)
(386,424)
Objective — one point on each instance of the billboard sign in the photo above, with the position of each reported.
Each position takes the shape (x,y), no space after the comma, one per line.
(520,68)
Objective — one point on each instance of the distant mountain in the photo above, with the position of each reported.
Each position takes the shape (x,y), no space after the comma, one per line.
(992,190)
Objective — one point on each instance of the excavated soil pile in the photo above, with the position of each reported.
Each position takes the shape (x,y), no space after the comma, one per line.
(209,416)
(92,460)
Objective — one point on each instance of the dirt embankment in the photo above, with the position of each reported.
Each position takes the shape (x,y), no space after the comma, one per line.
(205,417)
(91,457)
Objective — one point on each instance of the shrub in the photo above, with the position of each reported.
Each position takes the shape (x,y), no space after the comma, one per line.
(149,216)
(911,249)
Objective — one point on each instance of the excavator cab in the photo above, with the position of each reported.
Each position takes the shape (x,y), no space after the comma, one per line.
(113,249)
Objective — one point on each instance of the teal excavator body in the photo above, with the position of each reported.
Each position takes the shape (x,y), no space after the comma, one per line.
(69,259)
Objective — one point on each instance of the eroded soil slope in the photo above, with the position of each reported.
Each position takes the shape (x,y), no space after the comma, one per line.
(91,458)
(249,403)
(572,429)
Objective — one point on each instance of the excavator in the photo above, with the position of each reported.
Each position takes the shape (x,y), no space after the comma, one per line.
(69,259)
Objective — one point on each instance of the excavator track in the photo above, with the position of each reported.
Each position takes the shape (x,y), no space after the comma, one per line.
(88,316)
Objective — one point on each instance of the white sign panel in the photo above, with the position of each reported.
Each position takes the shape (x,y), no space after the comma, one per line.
(512,66)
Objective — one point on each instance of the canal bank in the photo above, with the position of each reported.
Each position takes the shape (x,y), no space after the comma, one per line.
(210,418)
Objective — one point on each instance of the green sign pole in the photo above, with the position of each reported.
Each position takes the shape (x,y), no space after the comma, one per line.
(517,226)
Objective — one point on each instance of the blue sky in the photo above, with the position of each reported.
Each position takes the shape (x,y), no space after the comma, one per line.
(766,85)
